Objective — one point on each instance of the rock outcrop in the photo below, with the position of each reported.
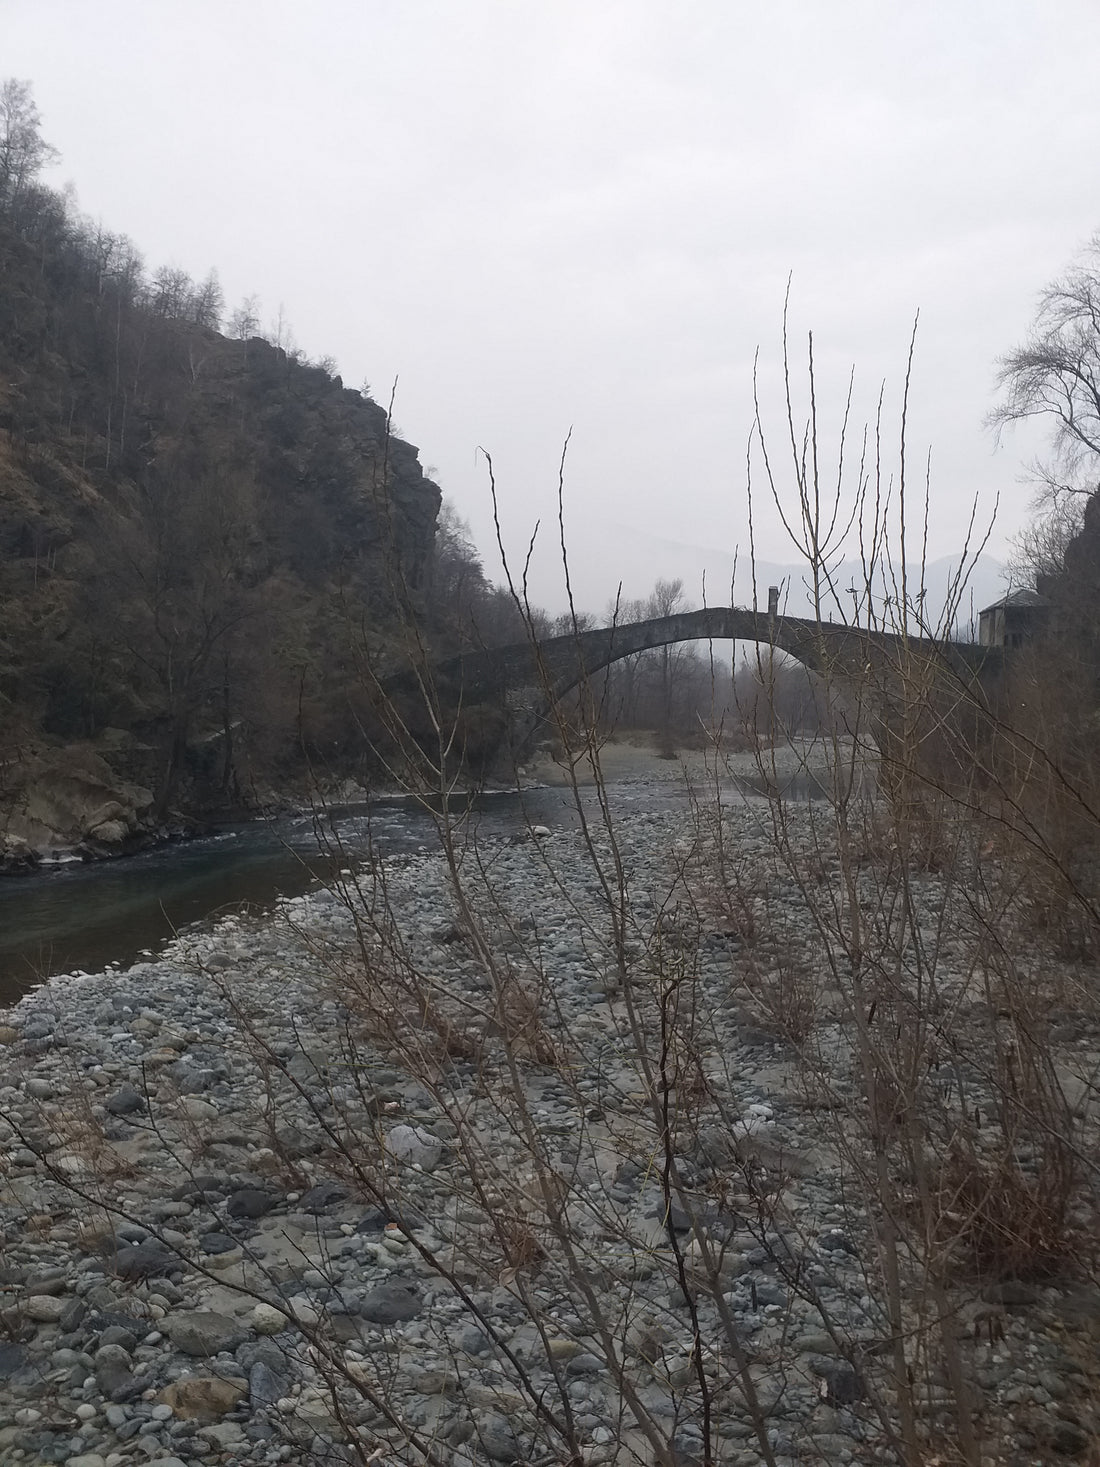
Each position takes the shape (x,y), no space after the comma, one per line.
(69,802)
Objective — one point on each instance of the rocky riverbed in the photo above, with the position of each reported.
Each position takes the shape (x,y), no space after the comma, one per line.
(384,1177)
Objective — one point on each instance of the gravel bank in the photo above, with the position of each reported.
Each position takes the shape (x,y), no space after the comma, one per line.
(635,759)
(287,1193)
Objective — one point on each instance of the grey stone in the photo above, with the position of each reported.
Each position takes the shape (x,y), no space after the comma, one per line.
(1011,1293)
(110,1318)
(673,1216)
(834,1241)
(264,1386)
(373,1220)
(193,1077)
(13,1358)
(767,1291)
(43,1308)
(47,1281)
(265,1352)
(250,1202)
(473,1341)
(112,1369)
(498,1440)
(217,1243)
(203,1332)
(841,1385)
(1067,1439)
(345,1329)
(390,1304)
(125,1102)
(72,1316)
(415,1146)
(323,1196)
(686,1450)
(267,1319)
(141,1261)
(118,1334)
(295,1142)
(584,1364)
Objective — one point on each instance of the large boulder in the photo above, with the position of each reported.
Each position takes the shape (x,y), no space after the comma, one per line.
(65,800)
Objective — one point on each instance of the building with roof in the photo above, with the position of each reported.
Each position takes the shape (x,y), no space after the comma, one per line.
(1014,619)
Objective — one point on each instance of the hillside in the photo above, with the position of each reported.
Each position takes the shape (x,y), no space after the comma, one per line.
(200,537)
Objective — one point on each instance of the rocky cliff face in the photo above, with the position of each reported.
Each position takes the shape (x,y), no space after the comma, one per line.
(201,540)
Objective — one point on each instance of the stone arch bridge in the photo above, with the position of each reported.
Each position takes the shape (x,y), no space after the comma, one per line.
(525,679)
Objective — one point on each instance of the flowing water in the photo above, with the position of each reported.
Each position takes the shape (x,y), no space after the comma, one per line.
(83,917)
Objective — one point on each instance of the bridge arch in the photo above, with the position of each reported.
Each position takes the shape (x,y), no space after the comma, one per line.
(526,679)
(564,663)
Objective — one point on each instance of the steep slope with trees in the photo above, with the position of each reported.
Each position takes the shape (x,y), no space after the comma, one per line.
(201,537)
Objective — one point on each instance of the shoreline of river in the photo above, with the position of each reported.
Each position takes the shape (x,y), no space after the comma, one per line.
(636,758)
(85,915)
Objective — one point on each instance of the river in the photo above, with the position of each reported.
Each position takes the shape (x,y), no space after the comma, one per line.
(82,917)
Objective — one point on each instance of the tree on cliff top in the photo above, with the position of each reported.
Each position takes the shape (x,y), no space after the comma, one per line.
(23,151)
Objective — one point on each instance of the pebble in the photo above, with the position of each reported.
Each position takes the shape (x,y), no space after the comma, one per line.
(267,1320)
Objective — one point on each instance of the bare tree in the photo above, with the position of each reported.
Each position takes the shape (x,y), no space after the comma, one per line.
(23,151)
(173,292)
(1039,549)
(1055,375)
(208,303)
(245,320)
(666,600)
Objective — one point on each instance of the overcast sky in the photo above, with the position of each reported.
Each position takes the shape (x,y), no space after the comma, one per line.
(549,215)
